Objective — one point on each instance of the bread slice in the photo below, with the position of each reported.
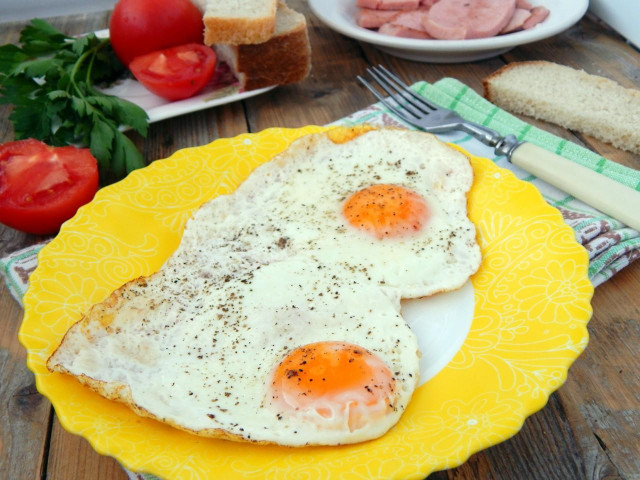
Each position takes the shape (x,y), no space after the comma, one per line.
(239,21)
(574,99)
(284,58)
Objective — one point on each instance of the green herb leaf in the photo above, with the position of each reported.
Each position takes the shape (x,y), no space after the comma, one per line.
(132,156)
(41,38)
(101,141)
(130,114)
(10,59)
(51,79)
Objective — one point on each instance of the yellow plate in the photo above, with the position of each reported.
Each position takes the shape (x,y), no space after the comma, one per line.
(531,309)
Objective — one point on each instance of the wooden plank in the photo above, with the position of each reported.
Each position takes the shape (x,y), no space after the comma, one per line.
(24,413)
(605,381)
(84,464)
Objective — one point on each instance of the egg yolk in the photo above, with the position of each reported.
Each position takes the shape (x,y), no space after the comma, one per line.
(336,381)
(386,210)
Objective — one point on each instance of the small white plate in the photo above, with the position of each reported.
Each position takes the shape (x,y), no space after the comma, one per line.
(340,16)
(158,108)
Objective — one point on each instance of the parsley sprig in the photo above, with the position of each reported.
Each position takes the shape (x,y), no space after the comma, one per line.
(51,82)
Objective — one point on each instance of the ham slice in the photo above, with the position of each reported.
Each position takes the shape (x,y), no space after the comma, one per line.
(402,31)
(444,28)
(369,18)
(448,19)
(388,4)
(369,4)
(412,20)
(461,19)
(517,21)
(538,14)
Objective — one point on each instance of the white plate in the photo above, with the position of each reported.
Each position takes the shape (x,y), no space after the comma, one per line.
(340,16)
(441,323)
(158,108)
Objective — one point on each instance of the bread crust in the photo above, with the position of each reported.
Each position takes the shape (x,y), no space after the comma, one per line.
(486,81)
(238,31)
(282,60)
(585,107)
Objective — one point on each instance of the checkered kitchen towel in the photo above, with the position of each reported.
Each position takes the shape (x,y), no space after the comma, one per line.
(611,245)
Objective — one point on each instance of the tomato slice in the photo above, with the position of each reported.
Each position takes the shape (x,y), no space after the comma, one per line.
(43,186)
(177,72)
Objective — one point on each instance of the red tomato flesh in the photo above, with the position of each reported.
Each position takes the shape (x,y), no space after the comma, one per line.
(143,26)
(43,186)
(177,72)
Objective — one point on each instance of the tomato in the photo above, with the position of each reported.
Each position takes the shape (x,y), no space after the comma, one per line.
(42,186)
(177,72)
(142,26)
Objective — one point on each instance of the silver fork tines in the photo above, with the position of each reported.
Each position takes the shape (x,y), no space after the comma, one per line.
(417,111)
(396,107)
(412,97)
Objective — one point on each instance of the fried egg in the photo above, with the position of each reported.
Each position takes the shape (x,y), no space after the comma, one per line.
(277,319)
(288,354)
(389,207)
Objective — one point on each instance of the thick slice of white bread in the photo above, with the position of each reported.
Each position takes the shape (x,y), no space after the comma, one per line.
(574,99)
(284,58)
(238,22)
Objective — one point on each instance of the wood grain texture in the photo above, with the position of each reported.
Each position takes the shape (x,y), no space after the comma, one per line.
(24,413)
(85,463)
(590,427)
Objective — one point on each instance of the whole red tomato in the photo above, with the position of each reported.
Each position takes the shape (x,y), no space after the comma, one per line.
(142,26)
(42,186)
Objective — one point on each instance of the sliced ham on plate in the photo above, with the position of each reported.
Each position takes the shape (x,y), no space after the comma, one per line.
(538,14)
(370,18)
(388,4)
(517,21)
(448,19)
(524,4)
(402,31)
(413,20)
(427,3)
(462,19)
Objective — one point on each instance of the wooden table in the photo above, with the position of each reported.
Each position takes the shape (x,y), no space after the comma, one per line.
(590,427)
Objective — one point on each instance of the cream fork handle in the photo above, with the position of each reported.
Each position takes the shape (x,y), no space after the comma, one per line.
(601,192)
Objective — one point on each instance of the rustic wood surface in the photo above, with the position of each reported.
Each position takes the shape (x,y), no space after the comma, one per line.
(591,426)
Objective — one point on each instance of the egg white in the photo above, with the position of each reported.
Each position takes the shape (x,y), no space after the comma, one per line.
(298,197)
(203,362)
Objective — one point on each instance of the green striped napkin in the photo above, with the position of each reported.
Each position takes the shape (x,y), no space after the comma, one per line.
(611,245)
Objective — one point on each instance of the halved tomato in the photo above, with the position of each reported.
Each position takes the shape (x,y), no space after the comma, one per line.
(43,186)
(177,72)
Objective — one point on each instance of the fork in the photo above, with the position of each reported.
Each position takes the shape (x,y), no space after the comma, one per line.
(601,192)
